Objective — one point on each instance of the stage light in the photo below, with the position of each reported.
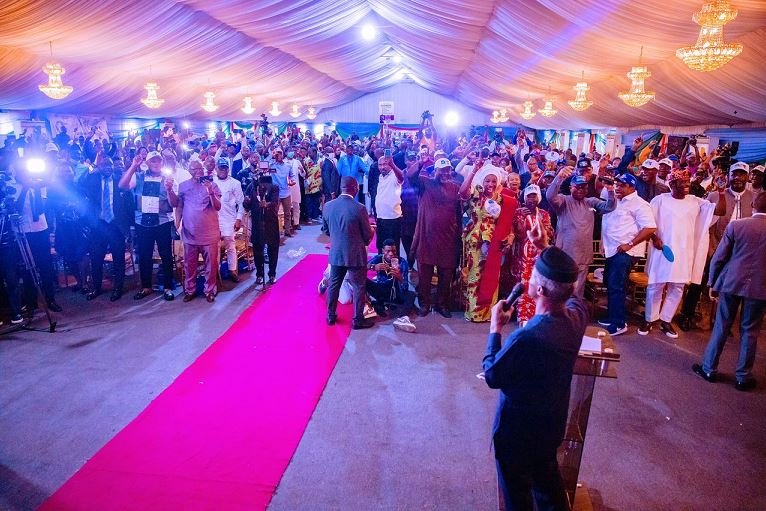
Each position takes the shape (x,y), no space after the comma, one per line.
(186,125)
(369,32)
(397,59)
(451,119)
(36,165)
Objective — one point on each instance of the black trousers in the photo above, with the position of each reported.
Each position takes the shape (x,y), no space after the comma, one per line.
(147,237)
(521,482)
(357,278)
(9,275)
(407,245)
(694,292)
(40,246)
(388,228)
(107,237)
(272,248)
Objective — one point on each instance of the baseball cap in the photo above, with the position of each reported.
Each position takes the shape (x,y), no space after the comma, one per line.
(442,163)
(627,178)
(759,168)
(531,189)
(673,157)
(223,162)
(651,164)
(666,161)
(578,180)
(549,173)
(153,154)
(278,149)
(584,163)
(740,165)
(50,147)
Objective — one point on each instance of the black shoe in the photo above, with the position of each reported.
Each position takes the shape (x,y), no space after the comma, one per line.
(272,280)
(116,295)
(710,377)
(168,295)
(331,320)
(233,277)
(52,305)
(686,323)
(745,385)
(422,311)
(667,329)
(259,280)
(188,297)
(142,294)
(16,319)
(644,327)
(362,323)
(380,310)
(210,297)
(92,294)
(443,311)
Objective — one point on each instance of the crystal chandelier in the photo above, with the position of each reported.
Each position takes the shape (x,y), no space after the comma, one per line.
(295,113)
(580,102)
(248,108)
(711,52)
(152,100)
(55,89)
(527,113)
(312,113)
(548,110)
(637,96)
(499,116)
(274,109)
(209,105)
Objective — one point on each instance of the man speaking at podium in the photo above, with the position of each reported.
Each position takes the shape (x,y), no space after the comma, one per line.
(533,371)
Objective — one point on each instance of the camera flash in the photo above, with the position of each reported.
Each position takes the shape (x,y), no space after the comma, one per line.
(35,166)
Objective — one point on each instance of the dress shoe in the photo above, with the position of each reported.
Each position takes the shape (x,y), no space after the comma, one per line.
(667,329)
(644,328)
(52,305)
(745,385)
(93,294)
(168,295)
(710,377)
(116,295)
(259,280)
(331,320)
(210,297)
(443,311)
(233,277)
(362,323)
(272,280)
(188,297)
(686,323)
(380,310)
(422,311)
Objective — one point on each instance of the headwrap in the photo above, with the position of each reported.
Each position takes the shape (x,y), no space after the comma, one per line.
(481,175)
(678,174)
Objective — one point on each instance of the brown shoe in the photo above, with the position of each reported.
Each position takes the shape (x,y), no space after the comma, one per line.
(210,297)
(233,277)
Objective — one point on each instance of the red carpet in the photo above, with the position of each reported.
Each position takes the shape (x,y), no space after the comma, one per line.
(221,435)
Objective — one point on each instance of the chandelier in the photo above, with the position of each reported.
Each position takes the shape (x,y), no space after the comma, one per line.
(209,105)
(527,113)
(55,89)
(711,52)
(500,116)
(274,109)
(295,113)
(637,96)
(312,113)
(547,110)
(248,108)
(152,100)
(580,102)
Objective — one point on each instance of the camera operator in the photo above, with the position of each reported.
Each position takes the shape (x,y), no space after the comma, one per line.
(31,181)
(8,251)
(262,199)
(199,200)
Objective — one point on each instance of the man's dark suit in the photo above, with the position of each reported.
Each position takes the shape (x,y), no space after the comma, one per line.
(346,221)
(738,274)
(106,236)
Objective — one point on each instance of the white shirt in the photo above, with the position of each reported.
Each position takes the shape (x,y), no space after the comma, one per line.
(736,212)
(27,222)
(231,204)
(388,201)
(621,226)
(295,190)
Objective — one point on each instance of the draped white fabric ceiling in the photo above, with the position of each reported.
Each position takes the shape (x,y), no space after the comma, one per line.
(486,54)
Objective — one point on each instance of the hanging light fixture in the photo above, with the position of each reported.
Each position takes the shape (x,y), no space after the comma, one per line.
(209,105)
(495,117)
(711,52)
(312,113)
(580,102)
(295,113)
(547,110)
(637,96)
(499,116)
(152,99)
(248,108)
(274,109)
(527,114)
(55,88)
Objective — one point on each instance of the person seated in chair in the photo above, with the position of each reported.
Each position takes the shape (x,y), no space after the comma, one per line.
(391,283)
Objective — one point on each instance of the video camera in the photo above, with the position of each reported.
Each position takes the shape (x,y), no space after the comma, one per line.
(427,115)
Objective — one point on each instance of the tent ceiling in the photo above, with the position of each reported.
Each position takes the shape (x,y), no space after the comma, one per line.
(485,54)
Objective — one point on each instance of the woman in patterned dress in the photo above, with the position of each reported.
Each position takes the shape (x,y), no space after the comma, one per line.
(528,218)
(481,190)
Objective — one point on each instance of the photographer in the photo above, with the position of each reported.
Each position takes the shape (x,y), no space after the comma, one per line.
(391,284)
(427,132)
(262,199)
(30,203)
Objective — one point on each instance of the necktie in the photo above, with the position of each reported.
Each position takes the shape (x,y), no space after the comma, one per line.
(107,212)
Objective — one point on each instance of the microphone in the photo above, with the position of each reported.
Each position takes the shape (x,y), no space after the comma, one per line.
(514,295)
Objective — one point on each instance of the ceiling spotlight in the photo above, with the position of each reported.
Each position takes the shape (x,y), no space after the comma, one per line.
(369,32)
(451,119)
(397,59)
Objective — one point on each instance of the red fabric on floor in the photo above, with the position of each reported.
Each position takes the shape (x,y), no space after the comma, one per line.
(221,435)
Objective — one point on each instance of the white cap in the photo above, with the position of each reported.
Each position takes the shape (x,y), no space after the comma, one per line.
(153,154)
(50,147)
(442,163)
(667,161)
(552,156)
(651,164)
(740,165)
(759,168)
(532,189)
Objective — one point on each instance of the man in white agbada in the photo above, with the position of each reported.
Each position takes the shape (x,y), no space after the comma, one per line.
(683,221)
(230,215)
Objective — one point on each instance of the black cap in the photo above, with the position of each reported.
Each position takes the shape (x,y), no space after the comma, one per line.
(555,264)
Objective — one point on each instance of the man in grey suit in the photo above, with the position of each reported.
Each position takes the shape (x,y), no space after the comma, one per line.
(738,275)
(347,223)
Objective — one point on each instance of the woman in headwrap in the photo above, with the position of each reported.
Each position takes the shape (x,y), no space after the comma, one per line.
(482,191)
(528,220)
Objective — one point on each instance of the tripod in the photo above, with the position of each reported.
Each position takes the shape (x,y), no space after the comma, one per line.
(10,225)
